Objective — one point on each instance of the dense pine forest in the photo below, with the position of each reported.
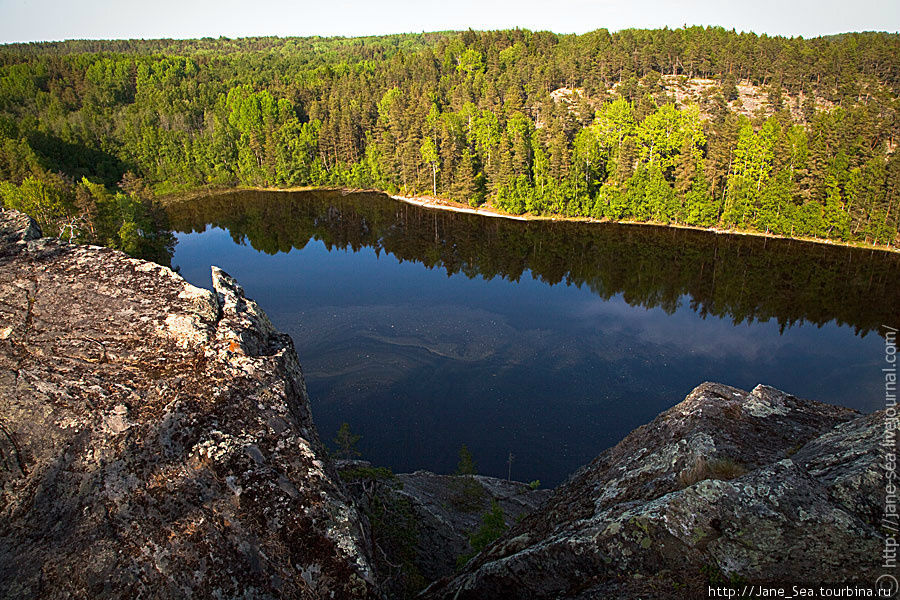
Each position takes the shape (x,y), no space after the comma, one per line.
(695,126)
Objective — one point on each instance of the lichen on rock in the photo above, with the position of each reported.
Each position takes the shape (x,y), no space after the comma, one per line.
(156,438)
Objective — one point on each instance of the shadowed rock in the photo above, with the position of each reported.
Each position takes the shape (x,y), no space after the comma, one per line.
(422,521)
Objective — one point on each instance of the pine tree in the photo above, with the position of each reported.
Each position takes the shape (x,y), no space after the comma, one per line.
(466,465)
(346,442)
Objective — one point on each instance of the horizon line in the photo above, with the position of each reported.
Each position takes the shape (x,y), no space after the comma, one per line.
(437,32)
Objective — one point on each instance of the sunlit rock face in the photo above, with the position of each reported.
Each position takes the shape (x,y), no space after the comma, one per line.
(156,439)
(726,486)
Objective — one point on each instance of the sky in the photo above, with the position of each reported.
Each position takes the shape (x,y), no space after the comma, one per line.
(43,20)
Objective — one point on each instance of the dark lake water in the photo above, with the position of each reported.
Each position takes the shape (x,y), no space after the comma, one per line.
(426,330)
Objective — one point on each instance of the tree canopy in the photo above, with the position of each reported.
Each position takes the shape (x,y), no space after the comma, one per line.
(698,126)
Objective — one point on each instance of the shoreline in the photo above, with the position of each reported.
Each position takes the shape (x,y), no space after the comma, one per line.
(439,204)
(489,211)
(431,202)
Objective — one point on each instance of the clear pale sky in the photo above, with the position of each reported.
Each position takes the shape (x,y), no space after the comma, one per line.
(34,20)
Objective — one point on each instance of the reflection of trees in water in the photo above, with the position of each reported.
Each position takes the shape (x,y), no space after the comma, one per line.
(740,277)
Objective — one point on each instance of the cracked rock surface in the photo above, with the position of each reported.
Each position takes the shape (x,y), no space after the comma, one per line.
(728,485)
(156,439)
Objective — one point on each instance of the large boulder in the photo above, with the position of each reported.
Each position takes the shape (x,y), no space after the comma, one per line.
(156,439)
(727,486)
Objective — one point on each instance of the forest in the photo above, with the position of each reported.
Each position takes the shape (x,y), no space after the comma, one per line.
(694,126)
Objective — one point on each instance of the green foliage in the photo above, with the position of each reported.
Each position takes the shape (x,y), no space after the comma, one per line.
(367,474)
(394,528)
(493,525)
(699,208)
(469,116)
(47,203)
(466,465)
(535,484)
(729,87)
(128,220)
(346,441)
(470,62)
(468,493)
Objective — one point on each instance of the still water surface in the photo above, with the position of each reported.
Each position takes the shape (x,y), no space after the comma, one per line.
(426,330)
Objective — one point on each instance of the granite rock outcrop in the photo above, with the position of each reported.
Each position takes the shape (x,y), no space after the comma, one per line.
(156,439)
(727,486)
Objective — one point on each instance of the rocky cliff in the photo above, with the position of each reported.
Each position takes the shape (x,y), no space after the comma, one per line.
(155,438)
(727,486)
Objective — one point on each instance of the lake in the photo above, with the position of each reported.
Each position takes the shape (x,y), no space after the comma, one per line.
(426,329)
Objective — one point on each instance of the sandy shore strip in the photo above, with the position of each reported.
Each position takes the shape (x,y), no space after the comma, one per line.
(426,203)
